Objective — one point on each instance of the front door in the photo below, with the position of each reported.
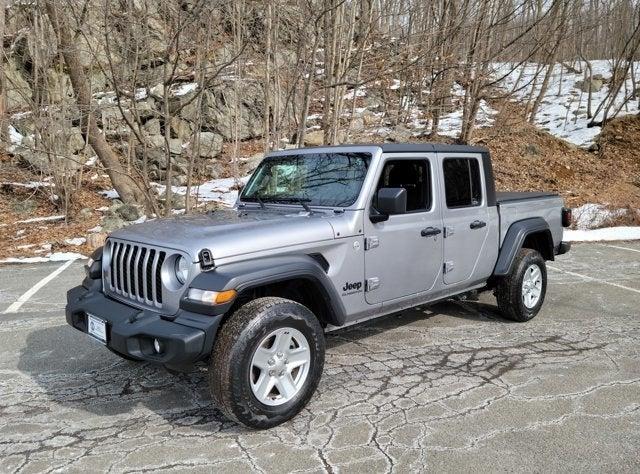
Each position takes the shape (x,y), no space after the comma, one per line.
(465,216)
(403,255)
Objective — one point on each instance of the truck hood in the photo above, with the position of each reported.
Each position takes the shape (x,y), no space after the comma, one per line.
(231,232)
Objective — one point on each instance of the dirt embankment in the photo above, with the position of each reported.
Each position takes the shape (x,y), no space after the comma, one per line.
(528,159)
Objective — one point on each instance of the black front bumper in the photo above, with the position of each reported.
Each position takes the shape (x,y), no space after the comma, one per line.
(185,337)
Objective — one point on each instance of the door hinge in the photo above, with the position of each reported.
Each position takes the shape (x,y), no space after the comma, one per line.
(371,242)
(448,231)
(372,283)
(447,267)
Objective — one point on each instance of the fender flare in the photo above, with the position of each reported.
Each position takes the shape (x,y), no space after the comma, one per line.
(513,240)
(250,274)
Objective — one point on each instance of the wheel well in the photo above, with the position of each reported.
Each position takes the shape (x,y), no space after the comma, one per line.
(540,241)
(301,290)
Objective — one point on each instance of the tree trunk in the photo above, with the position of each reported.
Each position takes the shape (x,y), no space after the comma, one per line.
(3,86)
(123,183)
(267,79)
(558,27)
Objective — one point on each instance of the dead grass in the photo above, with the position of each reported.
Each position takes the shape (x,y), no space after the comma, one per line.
(19,204)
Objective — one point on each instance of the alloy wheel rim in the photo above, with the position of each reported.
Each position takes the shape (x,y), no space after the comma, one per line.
(280,366)
(532,286)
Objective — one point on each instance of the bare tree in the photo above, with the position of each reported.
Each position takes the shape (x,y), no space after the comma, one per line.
(3,81)
(124,184)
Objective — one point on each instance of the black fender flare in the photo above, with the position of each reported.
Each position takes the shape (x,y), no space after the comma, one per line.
(513,240)
(250,274)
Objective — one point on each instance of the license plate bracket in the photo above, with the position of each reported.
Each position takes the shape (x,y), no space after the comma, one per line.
(97,328)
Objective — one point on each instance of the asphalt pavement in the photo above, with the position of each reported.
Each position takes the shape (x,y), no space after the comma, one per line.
(452,387)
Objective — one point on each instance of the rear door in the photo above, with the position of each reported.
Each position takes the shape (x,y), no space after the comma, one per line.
(465,215)
(399,259)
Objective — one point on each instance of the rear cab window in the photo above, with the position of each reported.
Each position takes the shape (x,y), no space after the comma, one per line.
(462,182)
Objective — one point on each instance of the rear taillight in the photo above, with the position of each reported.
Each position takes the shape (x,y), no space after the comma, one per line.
(566,217)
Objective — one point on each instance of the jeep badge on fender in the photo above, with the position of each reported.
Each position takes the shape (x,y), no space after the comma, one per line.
(352,287)
(252,289)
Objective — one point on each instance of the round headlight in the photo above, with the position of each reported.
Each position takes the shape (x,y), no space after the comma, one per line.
(182,270)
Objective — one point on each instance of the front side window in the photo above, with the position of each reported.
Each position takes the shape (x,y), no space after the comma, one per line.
(319,179)
(411,175)
(462,182)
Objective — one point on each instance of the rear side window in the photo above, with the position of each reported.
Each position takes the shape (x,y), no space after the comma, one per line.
(462,182)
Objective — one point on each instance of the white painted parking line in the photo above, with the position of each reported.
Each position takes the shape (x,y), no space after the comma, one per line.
(598,280)
(621,248)
(35,288)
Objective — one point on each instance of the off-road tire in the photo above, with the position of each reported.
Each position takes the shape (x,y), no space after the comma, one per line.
(233,350)
(509,288)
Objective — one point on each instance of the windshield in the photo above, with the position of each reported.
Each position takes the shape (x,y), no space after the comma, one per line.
(316,179)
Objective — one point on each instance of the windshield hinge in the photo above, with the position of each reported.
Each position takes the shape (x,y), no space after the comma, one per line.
(371,242)
(371,284)
(206,259)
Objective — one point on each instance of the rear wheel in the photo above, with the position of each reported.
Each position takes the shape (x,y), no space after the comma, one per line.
(266,362)
(521,293)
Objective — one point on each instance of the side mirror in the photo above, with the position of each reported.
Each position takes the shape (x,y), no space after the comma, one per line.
(391,201)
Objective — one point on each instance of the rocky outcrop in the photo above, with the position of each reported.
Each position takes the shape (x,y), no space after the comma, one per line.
(133,122)
(141,124)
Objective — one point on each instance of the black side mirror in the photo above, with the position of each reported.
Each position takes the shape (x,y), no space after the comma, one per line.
(391,201)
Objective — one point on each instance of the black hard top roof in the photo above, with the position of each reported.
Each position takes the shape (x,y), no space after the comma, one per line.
(433,147)
(409,147)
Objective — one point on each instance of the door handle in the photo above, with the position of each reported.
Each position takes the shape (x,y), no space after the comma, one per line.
(477,224)
(430,231)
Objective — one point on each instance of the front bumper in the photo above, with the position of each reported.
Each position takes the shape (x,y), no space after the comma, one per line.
(186,337)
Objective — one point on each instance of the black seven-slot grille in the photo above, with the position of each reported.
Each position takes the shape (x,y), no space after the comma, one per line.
(134,272)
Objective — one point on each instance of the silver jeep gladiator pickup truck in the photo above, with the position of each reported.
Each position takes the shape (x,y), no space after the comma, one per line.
(319,238)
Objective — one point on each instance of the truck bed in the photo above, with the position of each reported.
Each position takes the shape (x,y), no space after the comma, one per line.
(514,207)
(521,196)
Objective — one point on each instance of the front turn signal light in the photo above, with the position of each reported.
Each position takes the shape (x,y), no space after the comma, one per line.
(211,297)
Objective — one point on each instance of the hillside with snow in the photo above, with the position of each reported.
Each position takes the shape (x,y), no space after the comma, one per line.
(565,106)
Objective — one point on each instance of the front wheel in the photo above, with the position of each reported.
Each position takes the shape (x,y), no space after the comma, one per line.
(266,362)
(521,293)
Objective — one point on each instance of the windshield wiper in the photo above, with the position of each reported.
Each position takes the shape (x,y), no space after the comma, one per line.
(284,199)
(257,199)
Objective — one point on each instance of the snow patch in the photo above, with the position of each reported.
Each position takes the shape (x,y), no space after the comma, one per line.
(75,241)
(110,193)
(15,137)
(184,89)
(591,216)
(41,219)
(606,233)
(141,93)
(450,124)
(91,161)
(53,257)
(29,185)
(217,190)
(353,93)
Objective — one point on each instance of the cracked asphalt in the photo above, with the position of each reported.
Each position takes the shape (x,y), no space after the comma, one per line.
(452,387)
